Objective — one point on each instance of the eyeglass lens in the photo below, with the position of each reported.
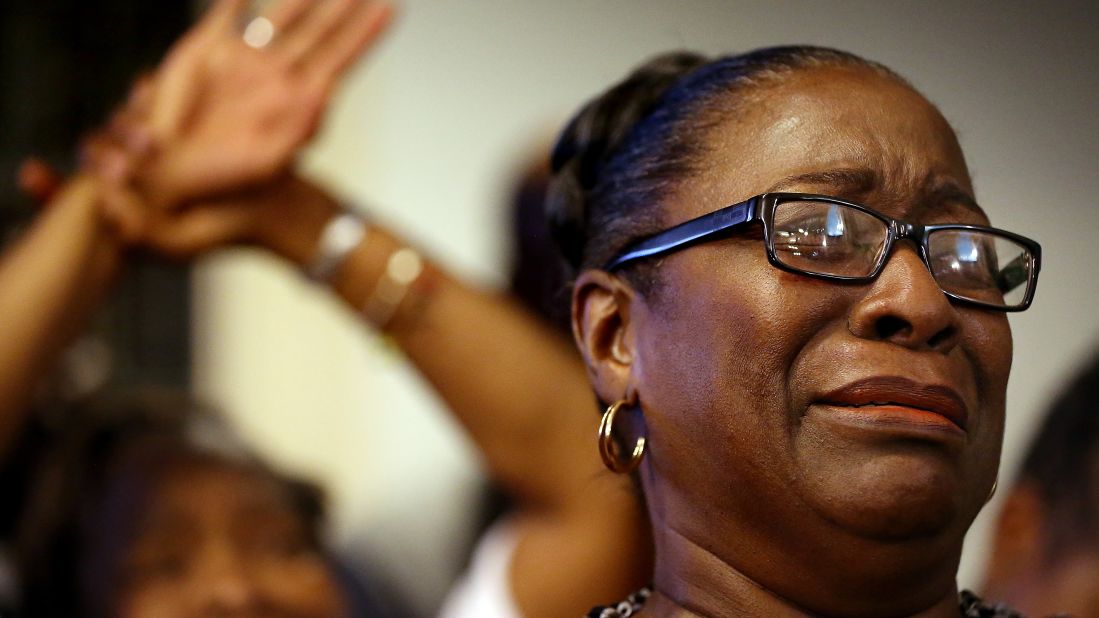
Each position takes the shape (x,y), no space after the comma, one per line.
(825,238)
(980,266)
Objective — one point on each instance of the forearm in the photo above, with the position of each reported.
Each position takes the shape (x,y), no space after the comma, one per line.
(514,384)
(50,280)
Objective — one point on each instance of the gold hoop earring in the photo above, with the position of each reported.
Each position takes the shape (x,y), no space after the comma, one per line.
(992,492)
(606,443)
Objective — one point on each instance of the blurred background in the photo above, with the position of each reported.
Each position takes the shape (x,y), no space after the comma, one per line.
(429,136)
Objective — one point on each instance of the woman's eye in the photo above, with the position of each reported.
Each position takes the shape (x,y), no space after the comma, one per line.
(815,234)
(978,271)
(819,245)
(163,566)
(277,544)
(285,547)
(170,566)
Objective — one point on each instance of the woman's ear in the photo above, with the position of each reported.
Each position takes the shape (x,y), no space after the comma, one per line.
(603,331)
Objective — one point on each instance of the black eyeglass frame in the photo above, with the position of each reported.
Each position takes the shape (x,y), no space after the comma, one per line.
(762,207)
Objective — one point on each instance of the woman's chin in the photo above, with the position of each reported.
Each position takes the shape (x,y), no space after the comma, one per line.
(885,480)
(889,498)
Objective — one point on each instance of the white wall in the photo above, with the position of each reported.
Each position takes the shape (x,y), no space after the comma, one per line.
(427,131)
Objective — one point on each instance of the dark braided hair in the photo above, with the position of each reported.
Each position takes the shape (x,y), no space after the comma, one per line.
(627,150)
(1063,464)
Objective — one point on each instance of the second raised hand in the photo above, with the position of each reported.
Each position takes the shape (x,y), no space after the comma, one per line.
(224,115)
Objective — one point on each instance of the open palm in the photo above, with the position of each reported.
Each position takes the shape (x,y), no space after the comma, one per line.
(223,115)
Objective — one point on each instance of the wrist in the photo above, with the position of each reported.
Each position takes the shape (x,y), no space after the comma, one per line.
(293,225)
(82,201)
(77,213)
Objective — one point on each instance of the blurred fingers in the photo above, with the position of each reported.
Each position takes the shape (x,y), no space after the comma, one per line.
(128,131)
(222,17)
(177,80)
(285,14)
(102,155)
(178,74)
(349,42)
(140,100)
(174,95)
(196,230)
(314,29)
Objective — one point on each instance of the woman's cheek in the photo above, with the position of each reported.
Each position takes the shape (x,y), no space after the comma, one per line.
(304,585)
(987,345)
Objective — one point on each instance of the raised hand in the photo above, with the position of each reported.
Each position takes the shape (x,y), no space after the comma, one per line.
(221,115)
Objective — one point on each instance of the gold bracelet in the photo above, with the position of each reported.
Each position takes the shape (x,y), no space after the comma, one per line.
(401,270)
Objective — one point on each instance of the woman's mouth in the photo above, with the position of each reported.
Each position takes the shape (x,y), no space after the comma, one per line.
(899,402)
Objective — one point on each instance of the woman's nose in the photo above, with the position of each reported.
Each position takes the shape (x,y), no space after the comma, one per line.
(905,306)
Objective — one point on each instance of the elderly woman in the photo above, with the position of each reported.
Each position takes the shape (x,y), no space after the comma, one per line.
(795,309)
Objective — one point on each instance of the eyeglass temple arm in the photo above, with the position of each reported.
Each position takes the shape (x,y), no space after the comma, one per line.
(689,232)
(1013,274)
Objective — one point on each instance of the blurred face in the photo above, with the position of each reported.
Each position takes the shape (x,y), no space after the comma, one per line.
(786,414)
(218,541)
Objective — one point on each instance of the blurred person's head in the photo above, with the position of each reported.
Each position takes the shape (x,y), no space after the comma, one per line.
(1045,556)
(538,272)
(147,506)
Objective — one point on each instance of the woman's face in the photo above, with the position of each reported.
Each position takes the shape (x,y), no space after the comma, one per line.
(218,541)
(784,413)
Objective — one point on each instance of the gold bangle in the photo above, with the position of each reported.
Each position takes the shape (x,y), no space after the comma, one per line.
(401,270)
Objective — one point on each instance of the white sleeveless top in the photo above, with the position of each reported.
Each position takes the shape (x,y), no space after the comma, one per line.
(484,591)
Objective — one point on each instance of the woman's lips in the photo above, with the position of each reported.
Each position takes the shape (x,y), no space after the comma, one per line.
(897,397)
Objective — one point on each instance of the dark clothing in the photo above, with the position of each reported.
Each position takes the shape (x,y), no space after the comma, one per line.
(971,606)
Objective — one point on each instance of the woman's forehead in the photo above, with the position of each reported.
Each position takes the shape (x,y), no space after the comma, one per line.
(824,120)
(203,489)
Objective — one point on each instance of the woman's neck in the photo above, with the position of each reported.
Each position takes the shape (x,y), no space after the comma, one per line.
(692,581)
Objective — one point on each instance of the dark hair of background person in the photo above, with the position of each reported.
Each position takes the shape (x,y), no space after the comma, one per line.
(1062,464)
(92,484)
(621,155)
(538,273)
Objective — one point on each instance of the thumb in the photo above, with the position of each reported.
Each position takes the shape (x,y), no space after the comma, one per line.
(125,211)
(185,234)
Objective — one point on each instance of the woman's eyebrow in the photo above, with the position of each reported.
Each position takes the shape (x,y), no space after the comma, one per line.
(848,179)
(937,192)
(944,192)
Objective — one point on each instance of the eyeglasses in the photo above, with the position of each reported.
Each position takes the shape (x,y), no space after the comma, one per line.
(828,238)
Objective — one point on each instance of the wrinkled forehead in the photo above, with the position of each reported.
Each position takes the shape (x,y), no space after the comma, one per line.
(828,119)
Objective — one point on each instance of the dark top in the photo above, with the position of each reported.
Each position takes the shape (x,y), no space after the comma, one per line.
(971,606)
